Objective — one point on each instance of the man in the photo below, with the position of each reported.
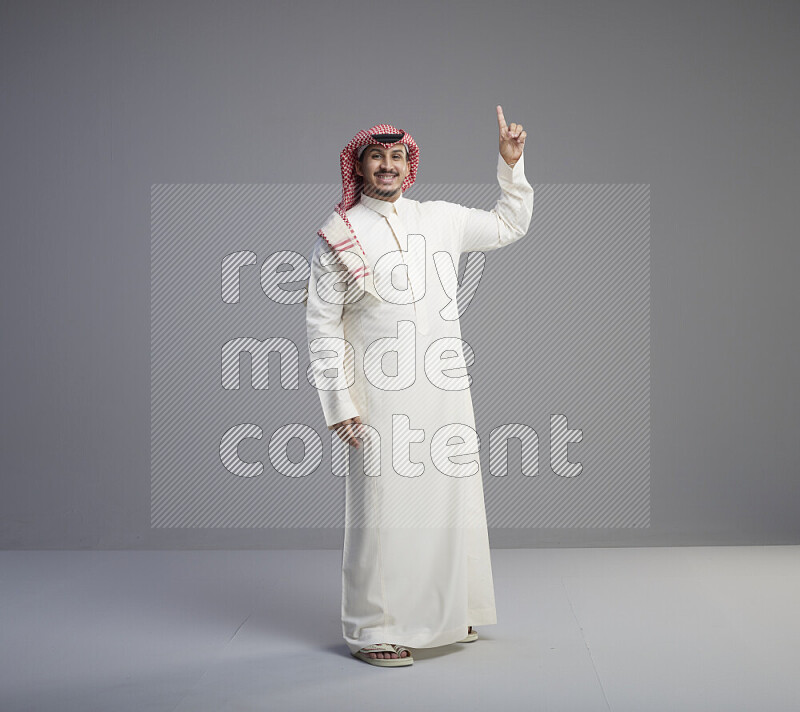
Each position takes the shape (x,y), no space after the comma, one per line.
(416,568)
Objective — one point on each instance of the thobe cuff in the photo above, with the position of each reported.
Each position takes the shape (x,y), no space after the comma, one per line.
(510,173)
(337,406)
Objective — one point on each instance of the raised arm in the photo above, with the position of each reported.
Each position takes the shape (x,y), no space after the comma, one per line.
(510,218)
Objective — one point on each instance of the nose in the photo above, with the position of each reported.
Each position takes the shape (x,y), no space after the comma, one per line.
(386,163)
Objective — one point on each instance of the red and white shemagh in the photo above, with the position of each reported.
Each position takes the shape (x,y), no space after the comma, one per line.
(337,231)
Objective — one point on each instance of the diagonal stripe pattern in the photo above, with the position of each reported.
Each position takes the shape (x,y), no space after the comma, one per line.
(557,344)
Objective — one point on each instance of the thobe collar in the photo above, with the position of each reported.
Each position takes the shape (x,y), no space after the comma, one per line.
(384,207)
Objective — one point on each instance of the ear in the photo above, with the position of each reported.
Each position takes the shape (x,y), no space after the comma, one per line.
(359,172)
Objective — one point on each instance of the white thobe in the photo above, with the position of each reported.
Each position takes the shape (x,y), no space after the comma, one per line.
(416,568)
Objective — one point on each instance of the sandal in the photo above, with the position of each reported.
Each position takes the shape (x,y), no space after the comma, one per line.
(471,637)
(363,654)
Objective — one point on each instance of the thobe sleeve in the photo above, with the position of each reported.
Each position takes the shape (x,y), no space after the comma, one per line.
(508,221)
(324,321)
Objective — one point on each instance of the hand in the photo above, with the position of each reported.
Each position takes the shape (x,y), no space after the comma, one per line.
(347,430)
(512,139)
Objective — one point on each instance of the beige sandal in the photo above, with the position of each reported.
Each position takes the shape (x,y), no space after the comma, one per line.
(471,637)
(363,654)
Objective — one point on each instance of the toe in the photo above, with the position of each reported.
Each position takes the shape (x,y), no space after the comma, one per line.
(388,655)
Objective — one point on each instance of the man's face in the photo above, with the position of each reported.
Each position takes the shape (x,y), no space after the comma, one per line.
(383,170)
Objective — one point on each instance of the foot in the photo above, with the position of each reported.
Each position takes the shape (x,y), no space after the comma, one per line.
(469,630)
(388,656)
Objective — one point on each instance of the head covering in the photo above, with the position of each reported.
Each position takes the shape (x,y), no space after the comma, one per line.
(384,135)
(341,237)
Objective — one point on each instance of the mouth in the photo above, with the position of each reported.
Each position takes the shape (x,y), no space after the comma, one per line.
(385,178)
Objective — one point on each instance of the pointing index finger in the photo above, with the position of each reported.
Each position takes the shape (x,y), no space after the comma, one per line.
(501,120)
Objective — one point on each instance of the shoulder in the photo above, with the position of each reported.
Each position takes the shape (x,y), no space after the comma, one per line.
(361,217)
(442,210)
(357,209)
(436,206)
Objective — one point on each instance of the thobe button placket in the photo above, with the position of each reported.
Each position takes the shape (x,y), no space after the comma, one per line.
(397,228)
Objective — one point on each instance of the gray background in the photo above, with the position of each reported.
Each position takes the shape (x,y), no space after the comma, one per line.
(102,100)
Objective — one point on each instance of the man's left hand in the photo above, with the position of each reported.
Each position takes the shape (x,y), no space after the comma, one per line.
(512,139)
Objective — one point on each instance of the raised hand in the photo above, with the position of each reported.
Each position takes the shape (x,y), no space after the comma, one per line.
(512,139)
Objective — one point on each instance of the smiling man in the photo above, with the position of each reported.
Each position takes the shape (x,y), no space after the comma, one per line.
(416,568)
(383,170)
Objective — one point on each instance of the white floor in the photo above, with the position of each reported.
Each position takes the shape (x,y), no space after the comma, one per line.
(645,629)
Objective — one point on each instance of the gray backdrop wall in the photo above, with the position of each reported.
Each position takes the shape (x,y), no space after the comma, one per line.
(101,100)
